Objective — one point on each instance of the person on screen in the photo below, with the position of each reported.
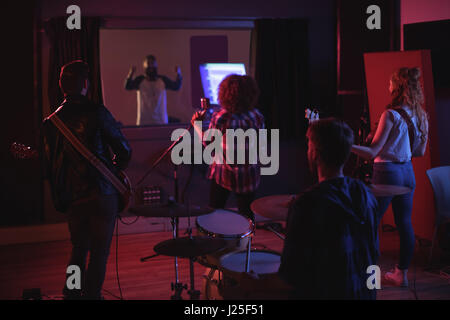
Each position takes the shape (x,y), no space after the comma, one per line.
(151,92)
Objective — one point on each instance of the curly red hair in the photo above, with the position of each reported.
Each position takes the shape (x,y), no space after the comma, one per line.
(407,90)
(238,94)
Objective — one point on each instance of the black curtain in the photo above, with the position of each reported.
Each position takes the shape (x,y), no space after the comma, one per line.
(68,45)
(280,53)
(20,180)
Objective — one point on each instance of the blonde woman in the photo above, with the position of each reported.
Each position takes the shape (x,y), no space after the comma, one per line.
(392,150)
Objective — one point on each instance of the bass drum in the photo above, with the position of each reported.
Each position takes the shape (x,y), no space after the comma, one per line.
(222,283)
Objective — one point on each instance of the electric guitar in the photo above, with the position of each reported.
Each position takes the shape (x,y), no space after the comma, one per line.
(122,183)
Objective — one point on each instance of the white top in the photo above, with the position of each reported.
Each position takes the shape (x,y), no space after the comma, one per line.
(397,147)
(151,103)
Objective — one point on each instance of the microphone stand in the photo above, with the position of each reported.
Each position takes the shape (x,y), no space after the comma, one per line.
(157,162)
(193,294)
(177,286)
(205,107)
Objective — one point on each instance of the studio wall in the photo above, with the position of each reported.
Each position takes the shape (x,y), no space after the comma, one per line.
(122,48)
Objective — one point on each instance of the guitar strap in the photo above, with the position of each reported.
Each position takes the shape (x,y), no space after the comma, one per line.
(85,152)
(410,124)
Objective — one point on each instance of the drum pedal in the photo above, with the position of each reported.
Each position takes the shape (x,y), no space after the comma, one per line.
(178,288)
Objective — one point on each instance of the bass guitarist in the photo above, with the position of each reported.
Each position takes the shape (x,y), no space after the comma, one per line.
(77,187)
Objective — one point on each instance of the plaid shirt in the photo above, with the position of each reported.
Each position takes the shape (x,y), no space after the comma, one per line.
(239,178)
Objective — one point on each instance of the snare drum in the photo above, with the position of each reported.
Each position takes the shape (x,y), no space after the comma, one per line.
(230,226)
(223,283)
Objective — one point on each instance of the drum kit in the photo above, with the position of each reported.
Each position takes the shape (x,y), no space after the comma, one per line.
(222,244)
(223,241)
(185,247)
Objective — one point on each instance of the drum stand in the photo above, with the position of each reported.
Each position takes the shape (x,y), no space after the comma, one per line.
(193,294)
(177,286)
(247,259)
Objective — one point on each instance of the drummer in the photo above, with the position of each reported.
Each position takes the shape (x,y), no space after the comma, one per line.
(331,235)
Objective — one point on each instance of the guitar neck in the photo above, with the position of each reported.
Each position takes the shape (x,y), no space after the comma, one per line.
(24,152)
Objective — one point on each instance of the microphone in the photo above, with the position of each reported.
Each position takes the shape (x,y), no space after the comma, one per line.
(205,104)
(205,108)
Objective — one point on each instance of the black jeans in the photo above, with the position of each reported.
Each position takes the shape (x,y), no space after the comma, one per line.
(218,197)
(91,226)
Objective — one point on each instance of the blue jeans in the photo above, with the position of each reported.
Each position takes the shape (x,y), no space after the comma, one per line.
(400,174)
(91,226)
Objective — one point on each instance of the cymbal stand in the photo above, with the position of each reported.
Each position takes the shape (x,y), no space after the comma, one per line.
(249,248)
(247,259)
(177,286)
(278,234)
(193,294)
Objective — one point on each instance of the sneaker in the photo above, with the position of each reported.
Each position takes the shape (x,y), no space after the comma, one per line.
(397,277)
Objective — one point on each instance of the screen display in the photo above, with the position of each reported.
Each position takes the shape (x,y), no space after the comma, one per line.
(213,73)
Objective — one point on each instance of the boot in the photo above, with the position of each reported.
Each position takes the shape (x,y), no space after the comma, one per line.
(397,277)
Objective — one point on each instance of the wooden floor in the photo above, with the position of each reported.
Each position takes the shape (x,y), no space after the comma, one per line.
(42,265)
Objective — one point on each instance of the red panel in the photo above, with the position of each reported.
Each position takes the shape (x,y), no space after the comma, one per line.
(379,67)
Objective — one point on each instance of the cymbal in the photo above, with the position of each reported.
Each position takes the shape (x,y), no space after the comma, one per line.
(170,210)
(188,248)
(386,190)
(273,207)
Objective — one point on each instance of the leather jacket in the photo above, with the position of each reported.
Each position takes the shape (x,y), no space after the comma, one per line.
(72,178)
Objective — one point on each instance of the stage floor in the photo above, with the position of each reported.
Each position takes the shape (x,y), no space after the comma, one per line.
(42,265)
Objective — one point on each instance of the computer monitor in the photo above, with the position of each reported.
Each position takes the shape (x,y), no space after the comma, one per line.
(213,73)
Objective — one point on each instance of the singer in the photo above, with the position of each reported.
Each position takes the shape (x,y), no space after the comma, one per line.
(237,98)
(151,92)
